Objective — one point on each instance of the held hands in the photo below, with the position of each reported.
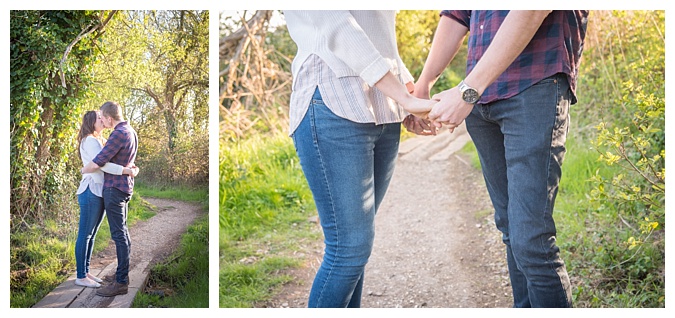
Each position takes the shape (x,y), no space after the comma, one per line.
(419,126)
(451,109)
(419,107)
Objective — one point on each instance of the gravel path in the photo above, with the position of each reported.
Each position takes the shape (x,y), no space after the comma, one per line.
(436,244)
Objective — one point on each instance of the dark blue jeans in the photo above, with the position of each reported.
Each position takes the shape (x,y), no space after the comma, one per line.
(348,167)
(91,216)
(117,207)
(521,145)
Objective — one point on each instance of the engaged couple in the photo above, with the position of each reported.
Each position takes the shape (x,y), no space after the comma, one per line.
(106,187)
(351,92)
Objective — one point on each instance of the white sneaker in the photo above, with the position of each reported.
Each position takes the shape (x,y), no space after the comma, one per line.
(94,278)
(86,282)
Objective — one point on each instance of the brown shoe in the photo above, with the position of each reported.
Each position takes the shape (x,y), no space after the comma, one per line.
(113,289)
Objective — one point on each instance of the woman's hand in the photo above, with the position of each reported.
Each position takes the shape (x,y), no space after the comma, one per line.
(132,171)
(419,126)
(418,107)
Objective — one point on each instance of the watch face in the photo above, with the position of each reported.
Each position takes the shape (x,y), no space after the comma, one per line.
(470,96)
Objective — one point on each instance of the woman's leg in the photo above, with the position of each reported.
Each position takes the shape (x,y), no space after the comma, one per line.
(90,219)
(97,218)
(339,159)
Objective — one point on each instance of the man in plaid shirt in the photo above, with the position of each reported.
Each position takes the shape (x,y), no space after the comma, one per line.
(121,149)
(520,81)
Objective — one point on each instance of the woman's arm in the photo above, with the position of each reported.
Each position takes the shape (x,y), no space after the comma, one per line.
(343,36)
(111,168)
(391,87)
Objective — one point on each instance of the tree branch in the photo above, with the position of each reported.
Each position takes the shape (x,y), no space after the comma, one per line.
(88,30)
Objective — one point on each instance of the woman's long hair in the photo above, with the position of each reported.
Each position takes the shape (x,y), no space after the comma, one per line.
(87,128)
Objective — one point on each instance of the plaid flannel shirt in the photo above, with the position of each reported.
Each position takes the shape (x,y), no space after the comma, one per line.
(555,48)
(121,149)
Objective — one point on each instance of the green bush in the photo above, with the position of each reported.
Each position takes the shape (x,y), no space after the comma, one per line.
(614,223)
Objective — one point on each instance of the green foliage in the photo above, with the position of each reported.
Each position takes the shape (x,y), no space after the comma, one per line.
(43,256)
(45,106)
(182,281)
(264,206)
(415,30)
(157,69)
(260,182)
(614,199)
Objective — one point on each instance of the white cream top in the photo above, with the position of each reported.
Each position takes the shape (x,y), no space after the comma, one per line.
(345,53)
(89,148)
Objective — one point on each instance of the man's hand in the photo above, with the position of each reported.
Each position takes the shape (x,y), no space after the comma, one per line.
(419,126)
(450,110)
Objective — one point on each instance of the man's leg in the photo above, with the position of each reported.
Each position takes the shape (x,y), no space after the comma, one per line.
(116,206)
(534,128)
(485,131)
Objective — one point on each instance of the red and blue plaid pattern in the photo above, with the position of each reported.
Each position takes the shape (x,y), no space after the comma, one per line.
(555,48)
(121,149)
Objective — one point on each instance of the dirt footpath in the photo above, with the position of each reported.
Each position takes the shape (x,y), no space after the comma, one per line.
(152,241)
(436,244)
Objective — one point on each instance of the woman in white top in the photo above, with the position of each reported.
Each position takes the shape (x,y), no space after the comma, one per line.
(89,196)
(348,100)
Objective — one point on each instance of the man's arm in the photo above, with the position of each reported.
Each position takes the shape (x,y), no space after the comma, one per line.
(513,35)
(445,45)
(510,40)
(111,148)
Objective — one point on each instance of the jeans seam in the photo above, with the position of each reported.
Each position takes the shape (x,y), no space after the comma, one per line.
(548,192)
(330,195)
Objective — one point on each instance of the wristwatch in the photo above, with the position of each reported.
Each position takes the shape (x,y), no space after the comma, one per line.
(469,94)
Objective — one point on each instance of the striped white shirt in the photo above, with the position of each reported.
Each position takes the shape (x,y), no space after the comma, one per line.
(344,59)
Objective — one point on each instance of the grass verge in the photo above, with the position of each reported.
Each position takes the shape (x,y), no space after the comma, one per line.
(265,204)
(181,281)
(42,256)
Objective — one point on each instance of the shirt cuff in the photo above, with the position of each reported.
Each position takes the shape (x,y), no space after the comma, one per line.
(375,71)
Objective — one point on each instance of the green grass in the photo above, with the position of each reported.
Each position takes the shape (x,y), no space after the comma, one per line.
(42,256)
(244,285)
(469,150)
(265,204)
(181,281)
(591,236)
(174,192)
